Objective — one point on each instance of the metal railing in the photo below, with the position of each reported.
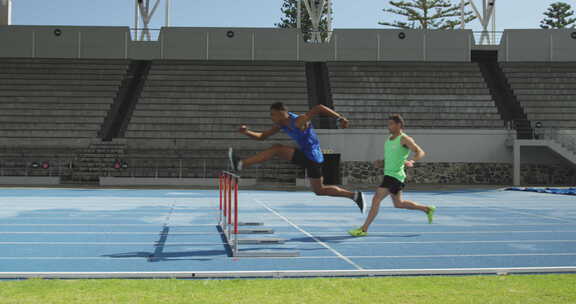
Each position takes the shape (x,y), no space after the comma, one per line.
(42,168)
(488,38)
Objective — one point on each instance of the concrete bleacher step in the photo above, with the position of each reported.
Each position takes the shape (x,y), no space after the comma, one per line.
(48,133)
(216,83)
(163,79)
(225,95)
(222,115)
(62,82)
(186,73)
(235,121)
(359,104)
(545,86)
(427,116)
(246,68)
(225,89)
(19,118)
(409,91)
(395,85)
(547,104)
(195,100)
(518,74)
(19,106)
(55,113)
(551,116)
(550,110)
(544,97)
(536,91)
(443,97)
(57,99)
(58,88)
(239,108)
(391,78)
(61,77)
(423,109)
(428,123)
(47,126)
(71,93)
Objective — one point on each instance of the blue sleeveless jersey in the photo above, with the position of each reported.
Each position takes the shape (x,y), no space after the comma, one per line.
(307,140)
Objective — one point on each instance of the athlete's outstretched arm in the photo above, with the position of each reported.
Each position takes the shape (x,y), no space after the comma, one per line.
(302,120)
(258,135)
(418,152)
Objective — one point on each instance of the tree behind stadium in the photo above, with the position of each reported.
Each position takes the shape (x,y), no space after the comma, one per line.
(428,14)
(558,16)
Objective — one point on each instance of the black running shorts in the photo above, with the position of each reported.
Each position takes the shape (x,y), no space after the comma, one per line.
(313,169)
(392,184)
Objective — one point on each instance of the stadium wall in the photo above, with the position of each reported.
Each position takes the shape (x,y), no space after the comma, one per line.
(454,156)
(199,43)
(538,45)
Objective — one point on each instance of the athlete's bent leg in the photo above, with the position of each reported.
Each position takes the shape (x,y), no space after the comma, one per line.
(319,188)
(410,205)
(283,152)
(380,194)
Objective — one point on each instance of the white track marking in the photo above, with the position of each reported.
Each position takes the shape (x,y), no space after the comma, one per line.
(565,220)
(333,257)
(338,254)
(355,243)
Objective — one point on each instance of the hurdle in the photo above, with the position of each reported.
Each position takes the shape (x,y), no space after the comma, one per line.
(229,223)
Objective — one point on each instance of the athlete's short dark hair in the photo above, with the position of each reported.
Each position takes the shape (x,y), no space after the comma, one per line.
(397,118)
(278,106)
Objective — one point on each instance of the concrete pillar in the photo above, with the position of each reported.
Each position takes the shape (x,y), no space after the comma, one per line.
(517,162)
(5,12)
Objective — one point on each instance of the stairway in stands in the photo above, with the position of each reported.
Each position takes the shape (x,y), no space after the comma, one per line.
(97,161)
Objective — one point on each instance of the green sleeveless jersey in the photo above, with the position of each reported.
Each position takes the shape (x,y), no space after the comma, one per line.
(395,154)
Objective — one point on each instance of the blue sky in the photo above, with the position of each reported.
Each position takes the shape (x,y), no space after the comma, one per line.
(243,13)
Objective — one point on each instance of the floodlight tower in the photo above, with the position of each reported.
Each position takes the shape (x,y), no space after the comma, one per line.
(316,9)
(143,12)
(5,12)
(487,18)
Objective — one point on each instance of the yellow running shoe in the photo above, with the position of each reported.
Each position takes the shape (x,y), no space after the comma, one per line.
(357,232)
(430,213)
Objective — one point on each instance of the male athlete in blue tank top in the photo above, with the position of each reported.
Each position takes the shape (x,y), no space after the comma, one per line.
(308,155)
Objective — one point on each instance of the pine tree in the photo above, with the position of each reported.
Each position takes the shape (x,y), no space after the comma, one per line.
(289,19)
(558,16)
(428,14)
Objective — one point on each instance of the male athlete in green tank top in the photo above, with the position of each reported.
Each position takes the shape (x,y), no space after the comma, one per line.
(396,151)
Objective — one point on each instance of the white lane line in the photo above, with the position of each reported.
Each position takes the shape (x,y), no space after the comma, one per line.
(317,234)
(338,254)
(449,232)
(115,225)
(104,232)
(571,221)
(310,225)
(353,242)
(331,256)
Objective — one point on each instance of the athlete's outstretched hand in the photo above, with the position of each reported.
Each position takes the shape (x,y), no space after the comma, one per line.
(344,123)
(409,163)
(243,129)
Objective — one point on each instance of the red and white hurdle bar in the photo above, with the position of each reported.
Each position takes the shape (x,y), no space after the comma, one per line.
(228,219)
(228,183)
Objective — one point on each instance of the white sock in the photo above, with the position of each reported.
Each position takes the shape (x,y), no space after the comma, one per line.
(239,165)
